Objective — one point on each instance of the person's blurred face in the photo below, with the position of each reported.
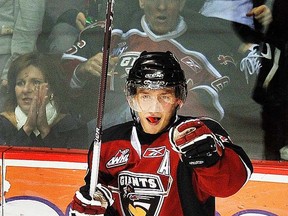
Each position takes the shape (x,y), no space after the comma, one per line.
(162,15)
(158,107)
(27,82)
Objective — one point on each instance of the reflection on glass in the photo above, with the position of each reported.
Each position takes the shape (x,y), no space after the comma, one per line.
(216,43)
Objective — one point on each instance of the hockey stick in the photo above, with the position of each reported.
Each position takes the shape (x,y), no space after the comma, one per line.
(101,99)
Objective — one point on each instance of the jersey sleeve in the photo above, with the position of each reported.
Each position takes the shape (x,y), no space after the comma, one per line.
(229,174)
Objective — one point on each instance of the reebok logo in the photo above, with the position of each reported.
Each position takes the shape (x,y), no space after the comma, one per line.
(154,152)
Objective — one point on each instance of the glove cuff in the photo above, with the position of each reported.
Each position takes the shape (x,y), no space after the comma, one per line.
(106,194)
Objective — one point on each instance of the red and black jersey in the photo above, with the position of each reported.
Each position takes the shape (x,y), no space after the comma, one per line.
(148,178)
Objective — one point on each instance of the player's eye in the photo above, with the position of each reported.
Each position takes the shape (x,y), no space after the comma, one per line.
(166,98)
(145,97)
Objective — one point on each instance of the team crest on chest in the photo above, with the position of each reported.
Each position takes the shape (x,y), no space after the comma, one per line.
(141,193)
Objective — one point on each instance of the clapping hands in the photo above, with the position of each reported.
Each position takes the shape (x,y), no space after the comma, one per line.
(36,118)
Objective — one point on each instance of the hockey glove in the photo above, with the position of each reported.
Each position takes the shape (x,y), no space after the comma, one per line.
(196,143)
(81,206)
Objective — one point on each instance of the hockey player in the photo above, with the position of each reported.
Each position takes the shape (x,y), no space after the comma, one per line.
(161,162)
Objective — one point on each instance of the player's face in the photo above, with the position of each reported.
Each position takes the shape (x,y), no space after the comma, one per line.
(26,82)
(158,107)
(162,15)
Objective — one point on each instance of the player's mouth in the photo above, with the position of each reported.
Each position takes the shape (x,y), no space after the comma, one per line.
(153,119)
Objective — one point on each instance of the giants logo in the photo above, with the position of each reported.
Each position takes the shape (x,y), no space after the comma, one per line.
(141,194)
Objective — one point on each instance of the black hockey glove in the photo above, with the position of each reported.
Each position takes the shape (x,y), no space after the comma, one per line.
(196,143)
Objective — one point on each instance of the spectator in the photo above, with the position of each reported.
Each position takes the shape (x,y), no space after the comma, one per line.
(210,61)
(124,52)
(162,163)
(271,87)
(20,22)
(36,108)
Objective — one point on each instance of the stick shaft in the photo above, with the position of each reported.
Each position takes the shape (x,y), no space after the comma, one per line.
(101,98)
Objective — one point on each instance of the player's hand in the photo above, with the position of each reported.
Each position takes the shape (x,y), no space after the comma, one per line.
(196,143)
(81,206)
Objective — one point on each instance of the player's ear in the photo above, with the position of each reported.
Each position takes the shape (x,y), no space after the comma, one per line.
(182,4)
(179,104)
(141,3)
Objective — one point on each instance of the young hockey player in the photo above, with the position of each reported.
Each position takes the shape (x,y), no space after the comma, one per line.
(162,163)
